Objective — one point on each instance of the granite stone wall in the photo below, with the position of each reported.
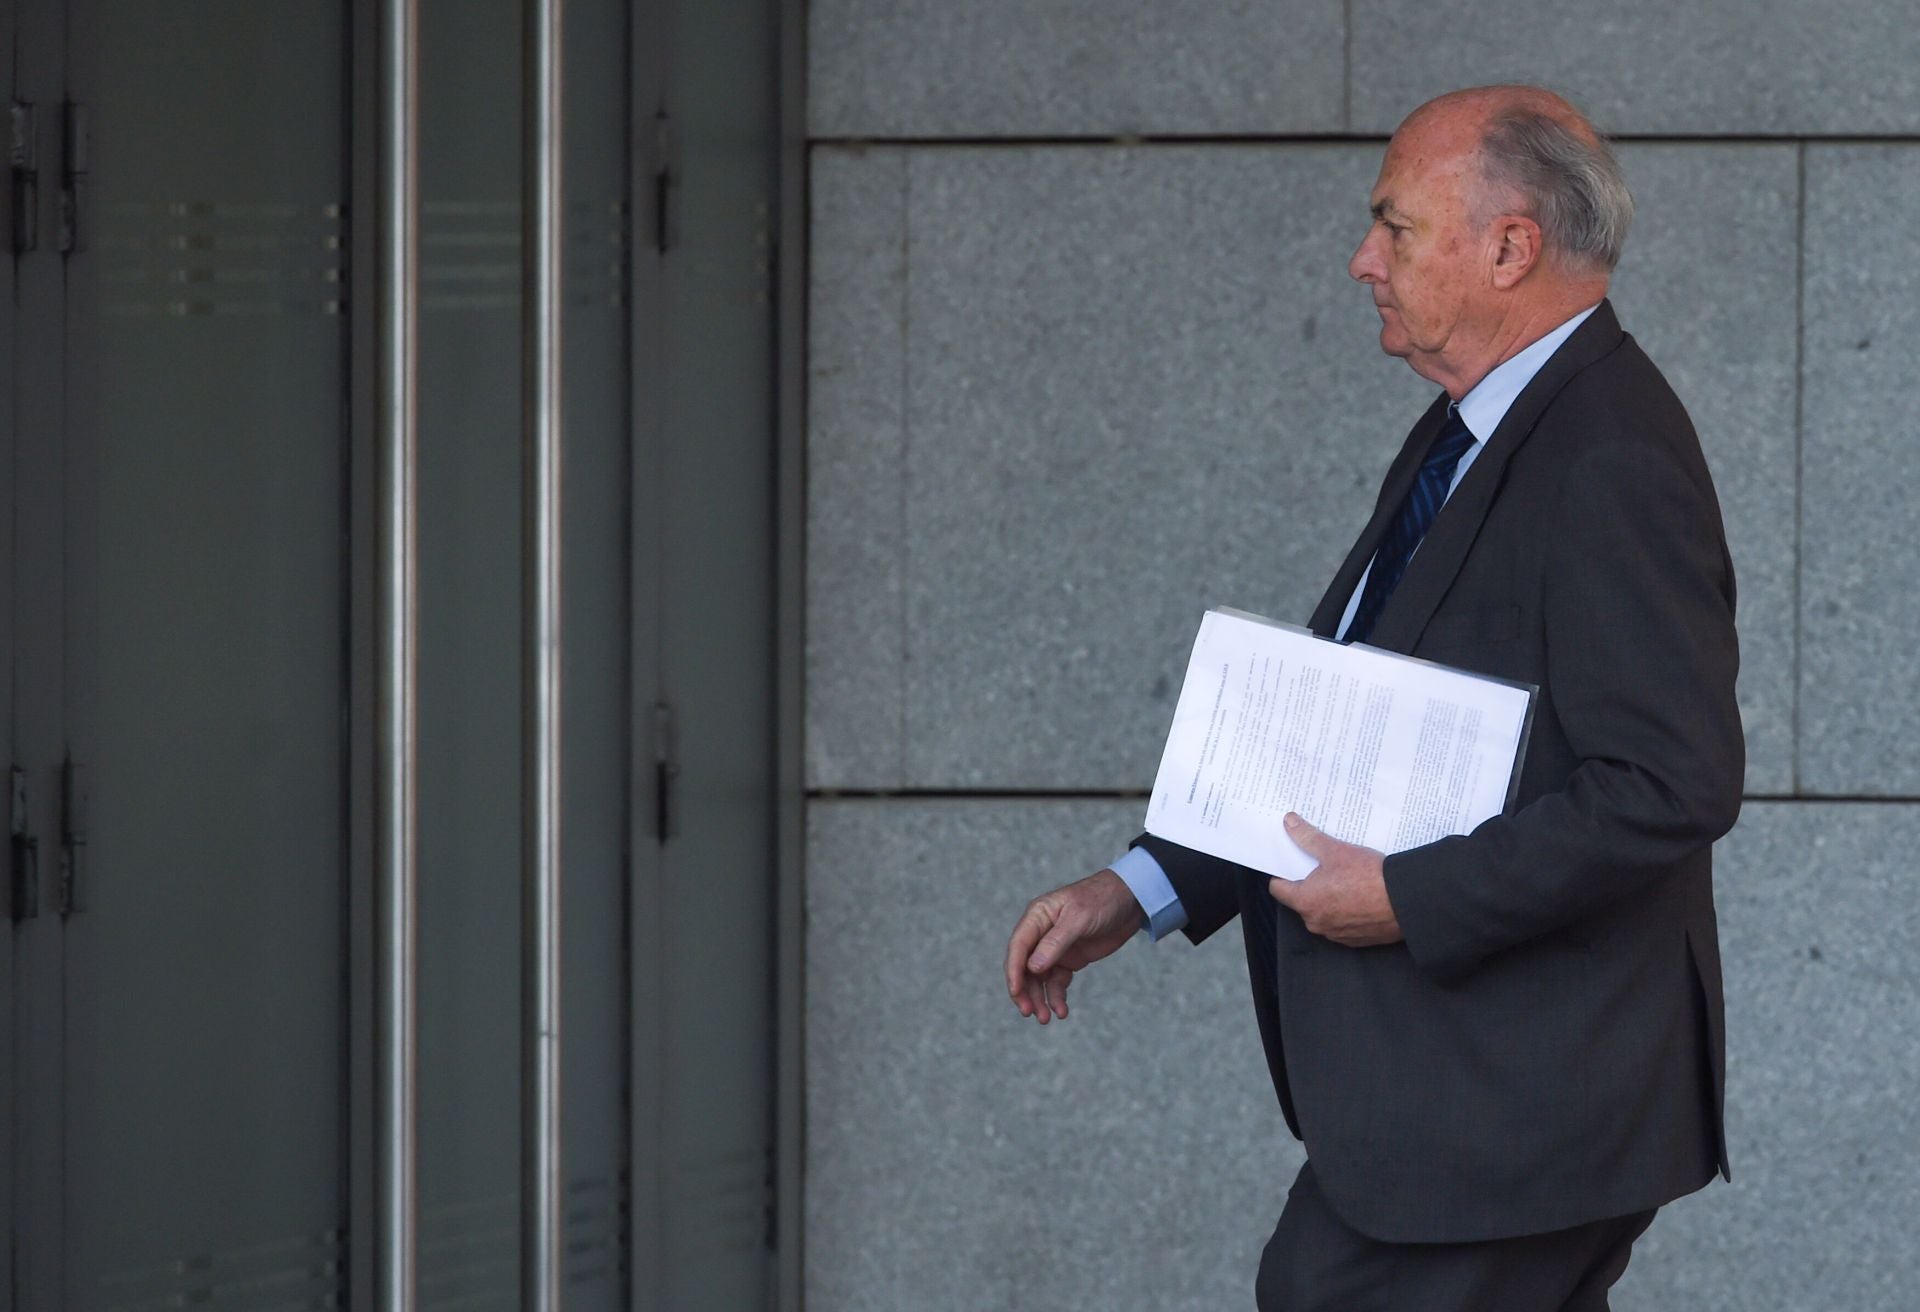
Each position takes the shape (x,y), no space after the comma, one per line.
(1083,360)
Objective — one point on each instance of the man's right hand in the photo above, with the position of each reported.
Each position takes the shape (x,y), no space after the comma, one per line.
(1064,931)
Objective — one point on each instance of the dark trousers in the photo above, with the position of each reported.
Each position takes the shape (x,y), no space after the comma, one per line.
(1315,1262)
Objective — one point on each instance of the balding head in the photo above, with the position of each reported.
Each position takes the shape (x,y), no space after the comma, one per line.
(1478,105)
(1541,157)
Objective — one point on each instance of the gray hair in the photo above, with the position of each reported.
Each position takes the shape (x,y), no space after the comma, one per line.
(1570,185)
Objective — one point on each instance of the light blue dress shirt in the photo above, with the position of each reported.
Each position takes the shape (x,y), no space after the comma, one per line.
(1481,410)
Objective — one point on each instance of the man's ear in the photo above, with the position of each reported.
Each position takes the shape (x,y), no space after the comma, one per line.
(1516,249)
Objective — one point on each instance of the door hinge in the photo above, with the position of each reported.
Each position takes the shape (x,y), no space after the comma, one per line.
(23,164)
(664,182)
(666,772)
(74,804)
(24,849)
(73,171)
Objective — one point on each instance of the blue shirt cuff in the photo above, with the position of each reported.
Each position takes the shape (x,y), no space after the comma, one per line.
(1148,883)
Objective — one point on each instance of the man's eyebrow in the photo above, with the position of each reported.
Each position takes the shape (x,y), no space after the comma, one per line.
(1380,207)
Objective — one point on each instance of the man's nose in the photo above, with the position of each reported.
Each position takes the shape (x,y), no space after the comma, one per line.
(1365,266)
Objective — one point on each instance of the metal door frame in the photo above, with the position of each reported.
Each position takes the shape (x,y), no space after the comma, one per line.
(8,1088)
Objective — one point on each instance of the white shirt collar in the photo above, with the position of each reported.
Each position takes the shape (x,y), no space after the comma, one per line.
(1487,404)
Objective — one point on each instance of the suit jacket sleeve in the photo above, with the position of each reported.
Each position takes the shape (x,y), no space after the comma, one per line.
(1637,606)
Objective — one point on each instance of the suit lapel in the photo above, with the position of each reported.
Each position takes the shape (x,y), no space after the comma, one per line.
(1326,616)
(1434,565)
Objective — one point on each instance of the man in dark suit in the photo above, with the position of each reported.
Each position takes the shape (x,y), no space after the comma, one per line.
(1503,1050)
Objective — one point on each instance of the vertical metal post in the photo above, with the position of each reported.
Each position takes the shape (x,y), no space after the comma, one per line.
(395,762)
(540,1164)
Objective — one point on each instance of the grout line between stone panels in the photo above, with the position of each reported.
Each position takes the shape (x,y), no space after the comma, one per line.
(857,142)
(1799,442)
(1131,795)
(1846,799)
(975,795)
(906,437)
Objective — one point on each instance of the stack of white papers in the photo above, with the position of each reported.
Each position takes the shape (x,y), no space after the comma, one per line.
(1372,747)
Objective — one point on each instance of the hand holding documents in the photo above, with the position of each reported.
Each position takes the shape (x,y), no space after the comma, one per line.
(1371,747)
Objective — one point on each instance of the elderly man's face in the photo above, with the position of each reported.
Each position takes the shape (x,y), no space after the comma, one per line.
(1426,264)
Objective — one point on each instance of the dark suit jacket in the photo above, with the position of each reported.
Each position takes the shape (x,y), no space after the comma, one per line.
(1546,1046)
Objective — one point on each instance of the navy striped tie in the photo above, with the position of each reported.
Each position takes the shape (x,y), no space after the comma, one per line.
(1424,499)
